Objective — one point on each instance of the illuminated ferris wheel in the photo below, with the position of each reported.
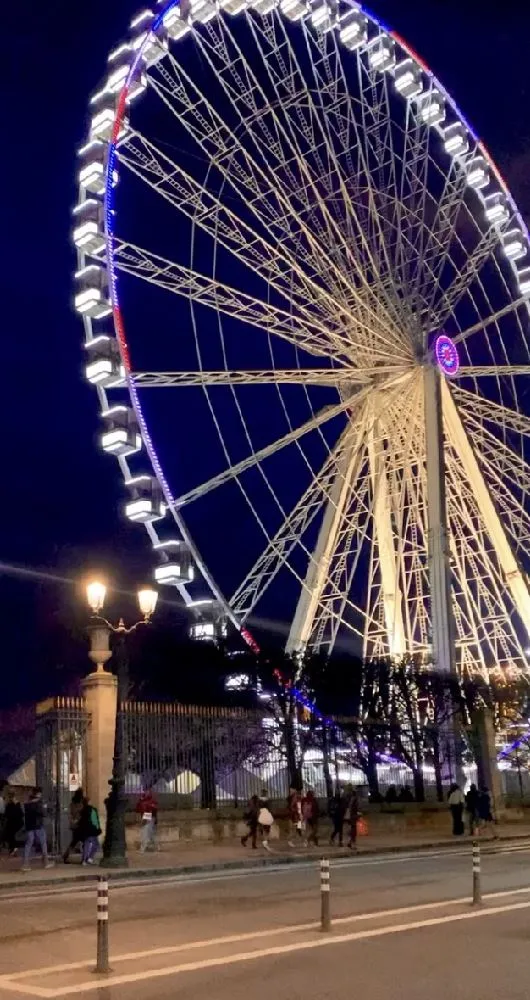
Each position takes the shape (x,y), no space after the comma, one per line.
(305,293)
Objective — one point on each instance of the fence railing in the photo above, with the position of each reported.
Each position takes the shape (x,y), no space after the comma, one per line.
(60,758)
(213,757)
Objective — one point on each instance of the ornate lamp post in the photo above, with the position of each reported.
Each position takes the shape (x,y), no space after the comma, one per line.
(100,629)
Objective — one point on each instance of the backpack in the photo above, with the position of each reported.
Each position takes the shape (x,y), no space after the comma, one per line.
(94,820)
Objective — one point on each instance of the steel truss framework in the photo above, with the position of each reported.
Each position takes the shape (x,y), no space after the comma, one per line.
(356,238)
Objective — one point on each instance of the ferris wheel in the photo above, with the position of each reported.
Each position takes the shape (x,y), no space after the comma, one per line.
(305,290)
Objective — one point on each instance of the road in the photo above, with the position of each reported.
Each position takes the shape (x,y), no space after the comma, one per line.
(402,927)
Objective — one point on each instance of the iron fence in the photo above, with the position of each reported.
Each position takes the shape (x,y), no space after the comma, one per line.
(60,760)
(213,757)
(202,757)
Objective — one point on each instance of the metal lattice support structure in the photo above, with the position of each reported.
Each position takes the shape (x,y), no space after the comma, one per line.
(334,270)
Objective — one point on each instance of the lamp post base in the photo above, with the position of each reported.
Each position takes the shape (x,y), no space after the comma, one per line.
(115,843)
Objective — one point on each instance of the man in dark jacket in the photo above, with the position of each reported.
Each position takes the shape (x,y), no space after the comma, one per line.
(34,812)
(337,810)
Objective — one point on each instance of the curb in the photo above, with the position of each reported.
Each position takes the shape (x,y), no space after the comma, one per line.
(131,874)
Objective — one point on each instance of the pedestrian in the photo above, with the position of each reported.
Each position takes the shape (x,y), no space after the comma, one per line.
(89,830)
(337,810)
(74,815)
(34,813)
(472,802)
(391,795)
(147,808)
(265,818)
(405,795)
(251,819)
(310,816)
(294,805)
(13,822)
(485,814)
(353,816)
(456,804)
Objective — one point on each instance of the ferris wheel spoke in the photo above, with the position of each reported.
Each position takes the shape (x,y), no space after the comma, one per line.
(290,534)
(365,122)
(441,311)
(209,212)
(486,371)
(246,176)
(362,224)
(335,602)
(437,249)
(269,203)
(320,584)
(481,568)
(512,307)
(513,579)
(488,410)
(306,127)
(502,474)
(334,377)
(504,467)
(207,291)
(259,456)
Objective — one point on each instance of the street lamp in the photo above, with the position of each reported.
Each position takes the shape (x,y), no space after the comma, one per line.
(114,843)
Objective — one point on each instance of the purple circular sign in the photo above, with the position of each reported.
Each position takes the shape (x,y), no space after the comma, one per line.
(446,355)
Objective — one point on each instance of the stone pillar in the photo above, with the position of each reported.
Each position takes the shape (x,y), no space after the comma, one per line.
(483,738)
(100,691)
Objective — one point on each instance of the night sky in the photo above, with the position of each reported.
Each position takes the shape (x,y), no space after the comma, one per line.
(60,496)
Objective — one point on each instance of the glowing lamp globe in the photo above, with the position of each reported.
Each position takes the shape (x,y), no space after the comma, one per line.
(147,599)
(96,593)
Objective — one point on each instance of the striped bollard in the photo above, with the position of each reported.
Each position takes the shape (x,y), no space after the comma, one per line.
(325,917)
(102,962)
(477,889)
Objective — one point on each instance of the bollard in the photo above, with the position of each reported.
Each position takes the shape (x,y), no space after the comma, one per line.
(102,961)
(477,889)
(325,917)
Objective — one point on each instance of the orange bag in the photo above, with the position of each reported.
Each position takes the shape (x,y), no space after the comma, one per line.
(362,827)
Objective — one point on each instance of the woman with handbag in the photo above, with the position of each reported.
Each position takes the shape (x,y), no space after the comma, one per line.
(265,818)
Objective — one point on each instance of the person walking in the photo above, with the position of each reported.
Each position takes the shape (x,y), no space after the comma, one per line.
(74,815)
(251,819)
(147,808)
(34,813)
(89,830)
(265,818)
(353,816)
(294,805)
(456,803)
(472,803)
(485,814)
(310,816)
(337,810)
(13,822)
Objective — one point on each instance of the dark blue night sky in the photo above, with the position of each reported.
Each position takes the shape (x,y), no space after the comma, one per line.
(60,496)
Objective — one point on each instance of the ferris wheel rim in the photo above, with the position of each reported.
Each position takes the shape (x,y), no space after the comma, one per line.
(118,321)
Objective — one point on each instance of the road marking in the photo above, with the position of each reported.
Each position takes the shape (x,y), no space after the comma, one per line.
(399,911)
(22,895)
(209,963)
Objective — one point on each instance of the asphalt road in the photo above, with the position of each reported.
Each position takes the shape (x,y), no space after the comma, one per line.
(403,926)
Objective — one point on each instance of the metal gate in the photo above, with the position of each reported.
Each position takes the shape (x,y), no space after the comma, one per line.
(60,762)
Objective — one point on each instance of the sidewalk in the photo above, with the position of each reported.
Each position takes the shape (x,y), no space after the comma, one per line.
(195,858)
